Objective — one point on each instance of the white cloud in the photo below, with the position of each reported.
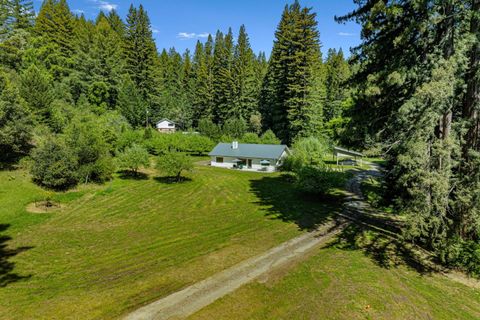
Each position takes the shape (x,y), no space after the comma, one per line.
(155,30)
(78,11)
(346,34)
(105,5)
(186,35)
(192,35)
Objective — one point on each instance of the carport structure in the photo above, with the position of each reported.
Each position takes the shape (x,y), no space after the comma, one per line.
(345,153)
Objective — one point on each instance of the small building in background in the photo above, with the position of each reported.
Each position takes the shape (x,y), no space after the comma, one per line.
(165,126)
(247,156)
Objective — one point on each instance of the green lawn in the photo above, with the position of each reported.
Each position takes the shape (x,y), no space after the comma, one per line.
(116,246)
(377,160)
(359,276)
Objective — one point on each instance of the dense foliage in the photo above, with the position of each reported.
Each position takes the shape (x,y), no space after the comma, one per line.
(418,83)
(56,65)
(54,165)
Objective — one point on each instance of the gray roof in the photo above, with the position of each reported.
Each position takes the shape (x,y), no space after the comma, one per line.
(347,152)
(248,150)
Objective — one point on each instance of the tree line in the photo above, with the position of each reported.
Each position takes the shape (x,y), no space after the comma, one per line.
(59,61)
(78,97)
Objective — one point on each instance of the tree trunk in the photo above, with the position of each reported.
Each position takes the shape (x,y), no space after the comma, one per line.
(470,114)
(471,102)
(446,35)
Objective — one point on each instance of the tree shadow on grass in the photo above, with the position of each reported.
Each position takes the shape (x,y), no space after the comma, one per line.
(7,274)
(387,252)
(172,180)
(283,201)
(6,166)
(10,160)
(128,175)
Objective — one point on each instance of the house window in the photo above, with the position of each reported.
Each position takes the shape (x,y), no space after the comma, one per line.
(170,124)
(219,160)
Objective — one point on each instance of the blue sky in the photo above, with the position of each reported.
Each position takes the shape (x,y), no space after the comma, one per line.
(179,23)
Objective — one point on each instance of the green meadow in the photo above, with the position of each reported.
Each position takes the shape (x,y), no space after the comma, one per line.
(360,275)
(111,248)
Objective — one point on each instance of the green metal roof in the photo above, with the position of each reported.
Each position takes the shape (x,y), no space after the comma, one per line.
(248,150)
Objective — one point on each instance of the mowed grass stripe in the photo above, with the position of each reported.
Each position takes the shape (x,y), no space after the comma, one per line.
(170,250)
(136,240)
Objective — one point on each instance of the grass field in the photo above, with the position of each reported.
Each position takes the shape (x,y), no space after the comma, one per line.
(114,247)
(358,276)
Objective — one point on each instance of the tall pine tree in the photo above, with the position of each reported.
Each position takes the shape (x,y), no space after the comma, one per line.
(243,72)
(203,99)
(292,96)
(140,52)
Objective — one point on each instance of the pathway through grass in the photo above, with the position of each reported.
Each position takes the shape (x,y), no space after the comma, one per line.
(341,281)
(118,246)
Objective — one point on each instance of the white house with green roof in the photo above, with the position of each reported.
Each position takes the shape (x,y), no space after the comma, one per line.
(247,156)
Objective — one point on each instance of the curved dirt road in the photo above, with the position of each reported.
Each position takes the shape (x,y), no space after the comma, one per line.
(183,303)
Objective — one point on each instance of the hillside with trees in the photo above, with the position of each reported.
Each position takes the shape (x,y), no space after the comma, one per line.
(59,64)
(87,90)
(79,97)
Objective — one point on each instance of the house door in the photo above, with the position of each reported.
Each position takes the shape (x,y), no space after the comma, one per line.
(249,163)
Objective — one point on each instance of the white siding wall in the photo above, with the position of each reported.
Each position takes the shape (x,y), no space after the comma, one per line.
(165,125)
(227,163)
(282,157)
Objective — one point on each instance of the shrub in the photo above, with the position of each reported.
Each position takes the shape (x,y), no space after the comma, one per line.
(111,125)
(54,165)
(132,158)
(172,164)
(250,137)
(268,137)
(462,254)
(313,180)
(87,140)
(319,180)
(102,169)
(308,151)
(290,164)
